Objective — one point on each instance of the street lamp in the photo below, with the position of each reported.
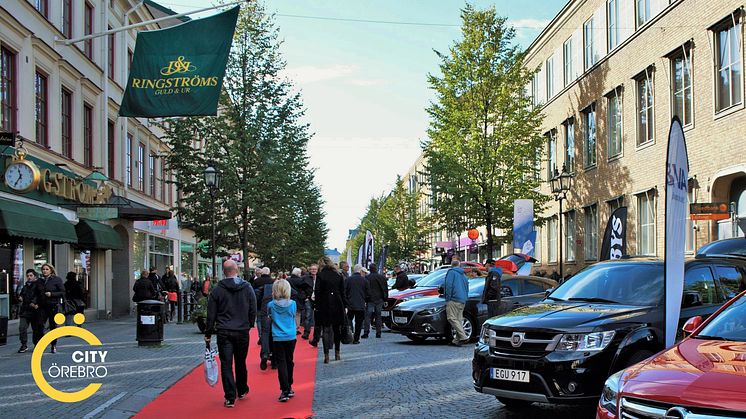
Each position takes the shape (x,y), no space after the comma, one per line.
(212,181)
(560,184)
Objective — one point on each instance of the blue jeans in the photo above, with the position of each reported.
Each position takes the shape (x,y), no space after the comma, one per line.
(373,312)
(307,318)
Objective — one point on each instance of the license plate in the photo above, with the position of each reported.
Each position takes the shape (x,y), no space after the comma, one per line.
(520,376)
(400,319)
(385,313)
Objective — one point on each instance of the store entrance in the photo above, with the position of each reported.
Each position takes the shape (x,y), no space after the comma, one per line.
(11,274)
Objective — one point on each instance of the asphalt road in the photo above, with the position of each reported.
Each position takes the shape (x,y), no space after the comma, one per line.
(393,377)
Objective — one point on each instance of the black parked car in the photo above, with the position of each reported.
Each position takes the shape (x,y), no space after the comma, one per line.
(608,316)
(425,317)
(735,246)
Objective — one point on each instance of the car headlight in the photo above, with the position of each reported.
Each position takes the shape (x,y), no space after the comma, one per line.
(610,393)
(596,341)
(488,336)
(431,311)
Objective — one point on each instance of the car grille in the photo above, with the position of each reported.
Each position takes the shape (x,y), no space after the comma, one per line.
(399,313)
(644,409)
(535,344)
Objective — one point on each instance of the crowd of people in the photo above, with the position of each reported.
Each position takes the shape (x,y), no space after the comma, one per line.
(43,296)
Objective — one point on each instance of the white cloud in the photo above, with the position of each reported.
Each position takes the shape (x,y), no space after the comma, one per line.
(538,24)
(312,74)
(365,82)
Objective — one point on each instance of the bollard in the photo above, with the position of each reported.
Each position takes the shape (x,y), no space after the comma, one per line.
(179,306)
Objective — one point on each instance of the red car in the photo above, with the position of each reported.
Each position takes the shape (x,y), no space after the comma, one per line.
(703,376)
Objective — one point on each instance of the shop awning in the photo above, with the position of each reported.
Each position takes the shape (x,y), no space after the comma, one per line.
(131,210)
(25,220)
(93,235)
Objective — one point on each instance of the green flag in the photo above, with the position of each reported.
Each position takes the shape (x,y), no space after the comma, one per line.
(179,71)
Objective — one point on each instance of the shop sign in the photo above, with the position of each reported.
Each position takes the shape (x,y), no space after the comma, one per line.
(709,211)
(168,228)
(97,213)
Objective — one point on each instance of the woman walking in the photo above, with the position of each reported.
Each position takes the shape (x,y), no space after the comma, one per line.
(282,312)
(52,297)
(331,302)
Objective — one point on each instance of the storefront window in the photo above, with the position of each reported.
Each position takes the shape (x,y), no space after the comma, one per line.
(139,254)
(10,280)
(41,254)
(187,259)
(82,268)
(161,253)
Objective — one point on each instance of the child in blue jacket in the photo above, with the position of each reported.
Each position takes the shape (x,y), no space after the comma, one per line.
(282,311)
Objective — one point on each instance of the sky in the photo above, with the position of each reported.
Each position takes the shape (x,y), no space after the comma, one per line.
(361,67)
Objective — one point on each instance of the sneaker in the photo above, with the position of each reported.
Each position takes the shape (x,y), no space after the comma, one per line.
(242,396)
(229,403)
(23,349)
(284,397)
(263,364)
(364,336)
(291,393)
(53,350)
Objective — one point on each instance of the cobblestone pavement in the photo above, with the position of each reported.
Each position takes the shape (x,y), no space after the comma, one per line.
(136,375)
(392,377)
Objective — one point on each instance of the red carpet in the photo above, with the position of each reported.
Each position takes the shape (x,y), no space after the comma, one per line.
(191,397)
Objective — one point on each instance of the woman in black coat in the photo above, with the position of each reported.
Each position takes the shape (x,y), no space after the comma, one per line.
(74,291)
(330,302)
(53,297)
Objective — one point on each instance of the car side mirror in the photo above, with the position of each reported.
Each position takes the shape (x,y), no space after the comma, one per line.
(691,325)
(548,291)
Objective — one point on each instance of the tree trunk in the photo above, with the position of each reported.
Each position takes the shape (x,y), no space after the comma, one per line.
(245,242)
(488,225)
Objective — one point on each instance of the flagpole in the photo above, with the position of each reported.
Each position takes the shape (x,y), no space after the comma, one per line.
(137,25)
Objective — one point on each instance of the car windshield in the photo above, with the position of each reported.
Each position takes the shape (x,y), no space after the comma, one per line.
(627,283)
(730,324)
(434,279)
(724,247)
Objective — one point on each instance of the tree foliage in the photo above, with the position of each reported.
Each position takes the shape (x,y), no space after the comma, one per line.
(484,138)
(268,203)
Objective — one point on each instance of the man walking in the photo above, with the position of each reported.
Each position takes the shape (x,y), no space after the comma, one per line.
(263,290)
(492,287)
(231,312)
(456,290)
(309,282)
(344,268)
(378,289)
(29,313)
(356,288)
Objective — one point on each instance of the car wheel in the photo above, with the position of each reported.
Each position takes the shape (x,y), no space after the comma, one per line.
(513,403)
(468,325)
(417,338)
(638,356)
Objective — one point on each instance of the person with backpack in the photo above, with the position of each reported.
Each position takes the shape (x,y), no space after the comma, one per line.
(282,311)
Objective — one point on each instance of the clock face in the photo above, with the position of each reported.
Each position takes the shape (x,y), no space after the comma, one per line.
(19,177)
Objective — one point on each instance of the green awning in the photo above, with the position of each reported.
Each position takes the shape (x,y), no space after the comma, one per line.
(93,235)
(25,220)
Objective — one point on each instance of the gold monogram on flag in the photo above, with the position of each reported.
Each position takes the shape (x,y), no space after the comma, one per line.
(178,66)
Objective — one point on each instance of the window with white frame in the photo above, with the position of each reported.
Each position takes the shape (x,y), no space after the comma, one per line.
(589,48)
(614,123)
(645,111)
(590,244)
(612,7)
(728,63)
(552,153)
(567,61)
(646,223)
(642,11)
(570,145)
(552,239)
(689,247)
(681,86)
(535,89)
(549,73)
(570,236)
(589,136)
(615,203)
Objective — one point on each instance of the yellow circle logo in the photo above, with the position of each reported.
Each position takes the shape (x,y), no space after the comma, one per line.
(36,371)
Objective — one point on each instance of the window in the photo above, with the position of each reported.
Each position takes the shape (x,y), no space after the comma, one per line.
(682,86)
(645,113)
(699,287)
(534,287)
(730,279)
(570,236)
(535,89)
(643,12)
(614,122)
(728,64)
(151,174)
(87,135)
(552,150)
(613,19)
(615,203)
(43,7)
(567,61)
(689,245)
(552,240)
(141,167)
(549,73)
(7,90)
(170,189)
(88,29)
(589,136)
(110,149)
(570,145)
(111,56)
(128,159)
(163,181)
(646,224)
(67,18)
(590,244)
(588,47)
(41,110)
(67,123)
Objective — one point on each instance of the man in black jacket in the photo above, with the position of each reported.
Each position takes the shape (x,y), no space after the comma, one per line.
(378,293)
(29,311)
(263,290)
(143,288)
(356,288)
(491,293)
(402,280)
(309,285)
(231,312)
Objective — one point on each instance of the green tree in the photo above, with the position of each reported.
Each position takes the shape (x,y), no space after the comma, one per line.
(484,136)
(406,227)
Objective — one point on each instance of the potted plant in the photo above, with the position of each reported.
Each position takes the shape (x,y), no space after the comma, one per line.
(199,314)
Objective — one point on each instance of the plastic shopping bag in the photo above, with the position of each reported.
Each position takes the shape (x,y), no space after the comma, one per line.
(211,366)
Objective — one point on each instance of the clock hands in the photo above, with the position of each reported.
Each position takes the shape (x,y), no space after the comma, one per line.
(20,176)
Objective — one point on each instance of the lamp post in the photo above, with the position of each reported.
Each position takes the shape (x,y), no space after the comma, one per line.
(560,183)
(212,181)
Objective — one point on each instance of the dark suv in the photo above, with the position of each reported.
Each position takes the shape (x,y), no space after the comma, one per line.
(608,316)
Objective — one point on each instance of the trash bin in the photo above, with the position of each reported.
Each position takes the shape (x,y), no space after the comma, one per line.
(3,330)
(149,322)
